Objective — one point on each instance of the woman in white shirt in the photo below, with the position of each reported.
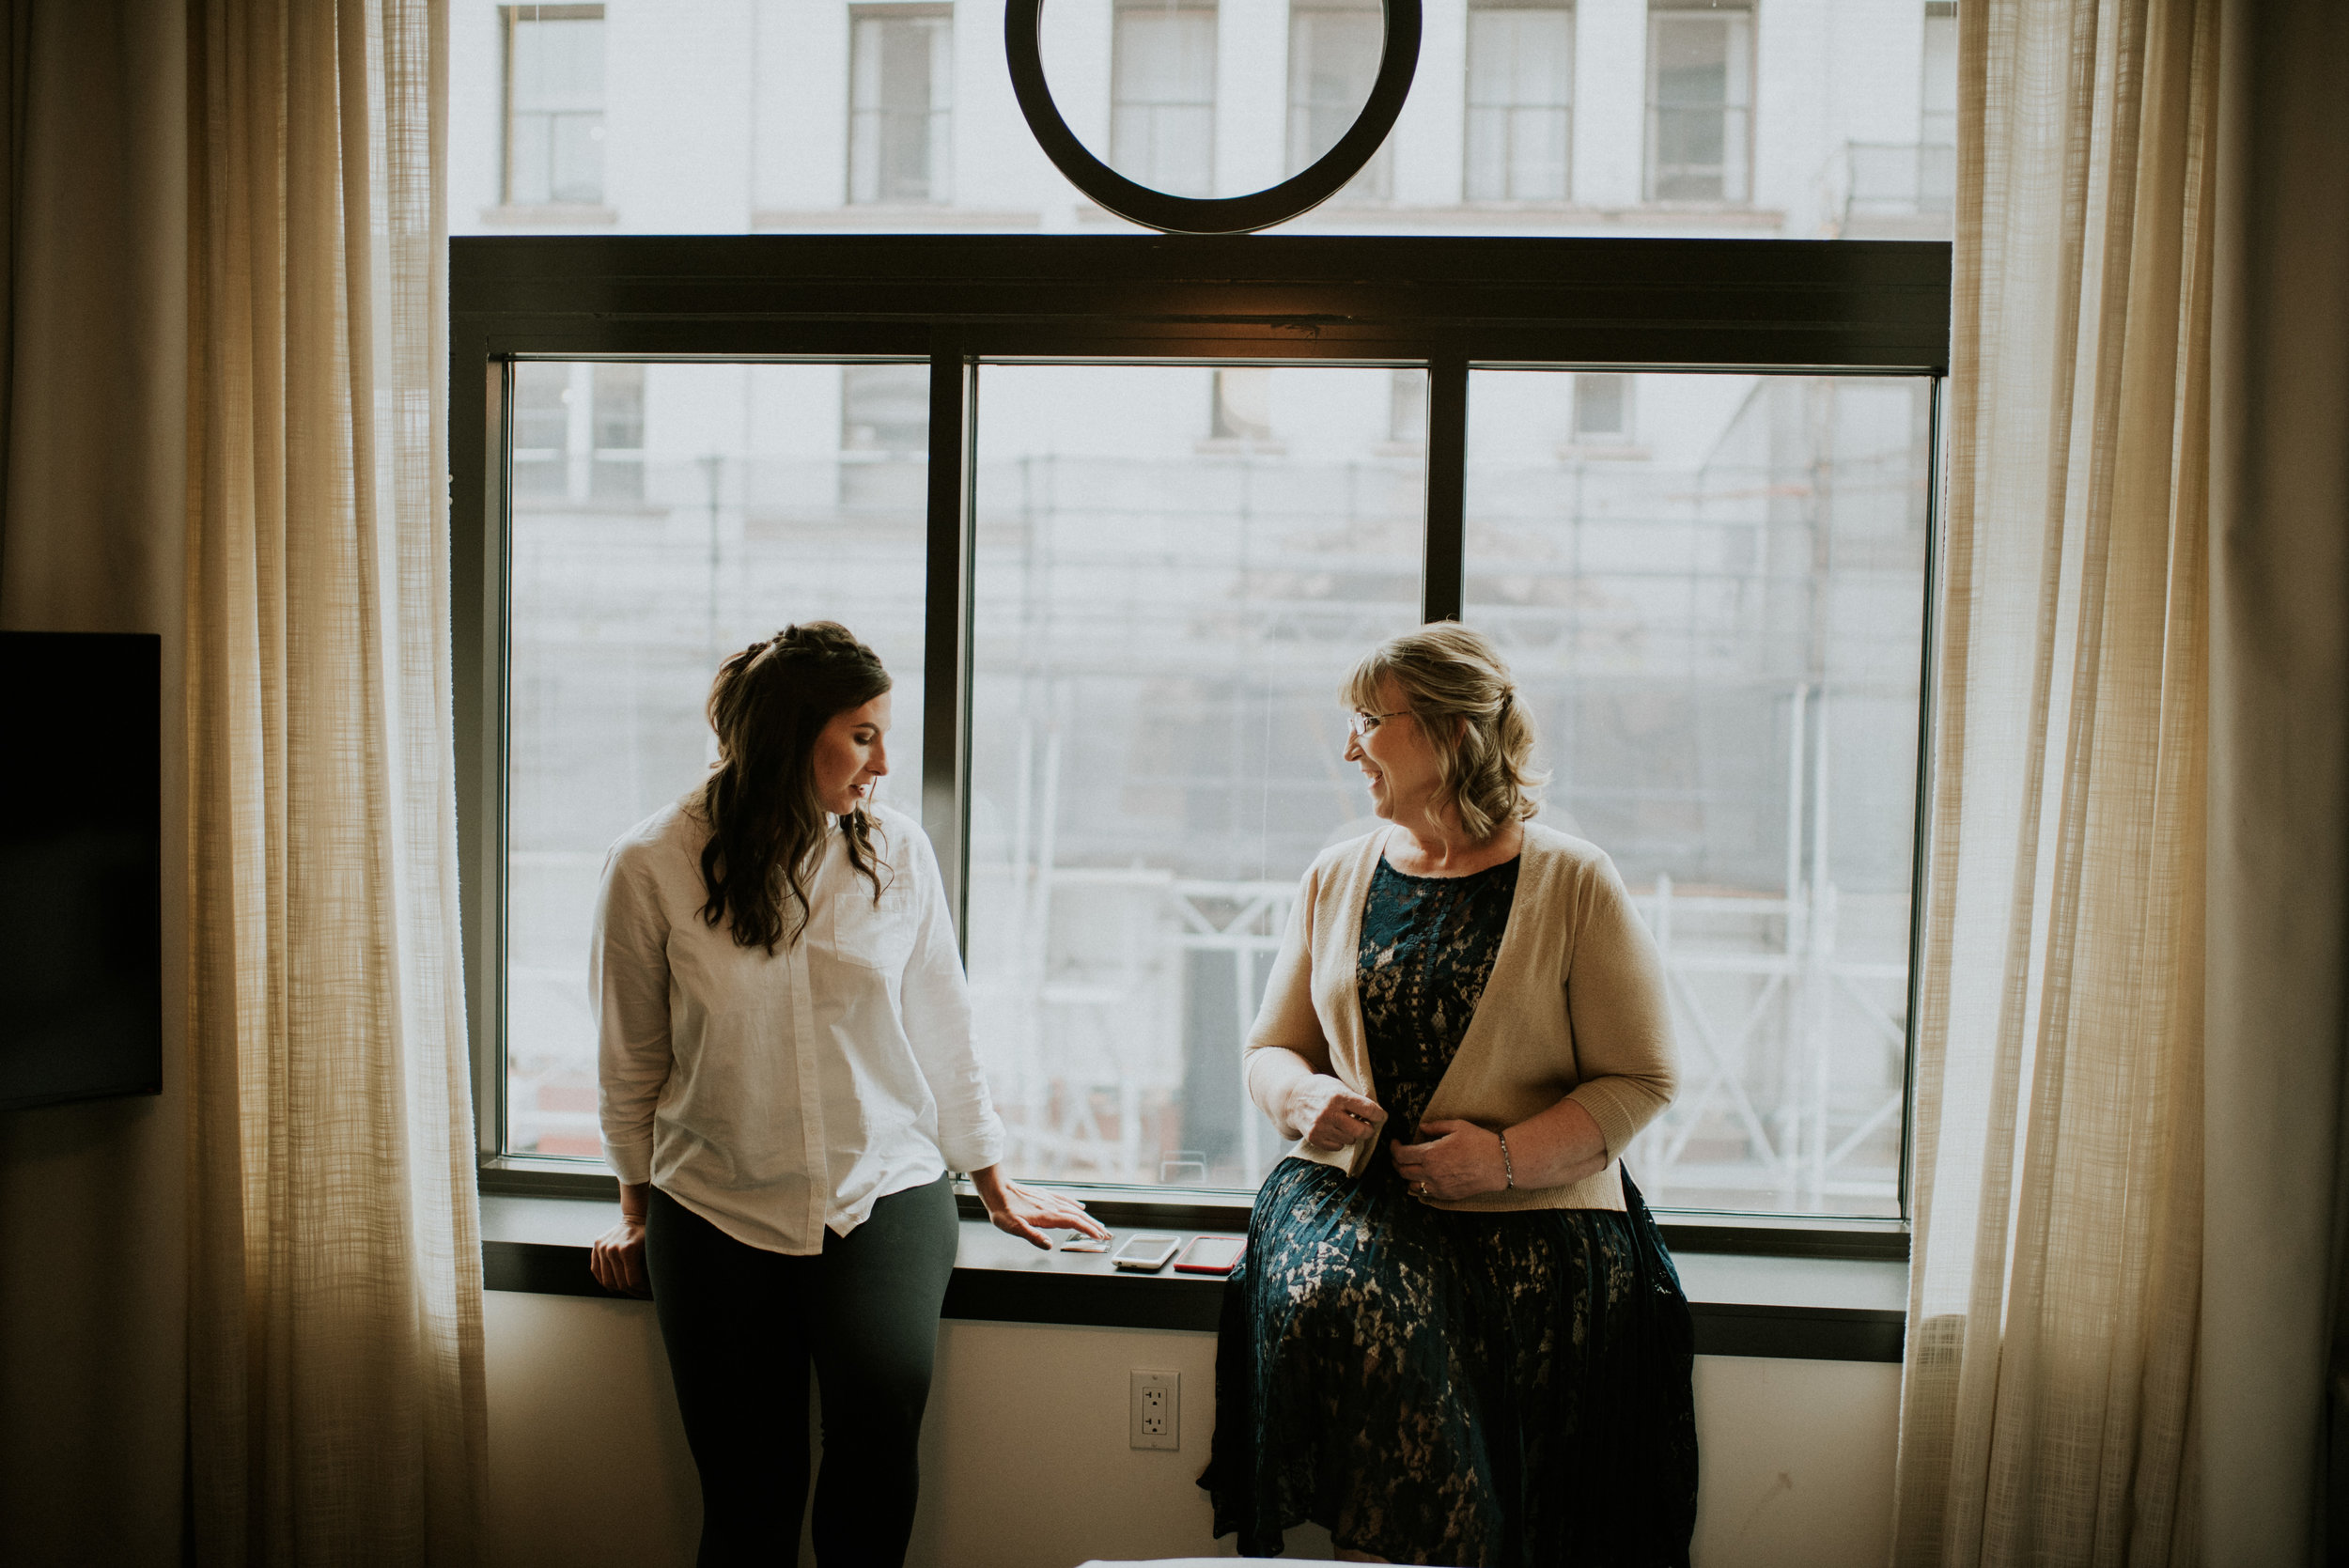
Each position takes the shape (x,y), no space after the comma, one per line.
(788,1079)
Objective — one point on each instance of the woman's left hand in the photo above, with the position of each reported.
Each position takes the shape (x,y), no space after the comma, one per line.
(1028,1214)
(1460,1159)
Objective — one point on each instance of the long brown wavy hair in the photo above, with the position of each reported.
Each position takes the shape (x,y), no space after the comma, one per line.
(767,705)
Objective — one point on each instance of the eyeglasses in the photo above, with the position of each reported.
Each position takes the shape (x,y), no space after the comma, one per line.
(1360,723)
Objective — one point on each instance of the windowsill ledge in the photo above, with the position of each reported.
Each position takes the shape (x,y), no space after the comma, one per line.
(894,218)
(1811,1308)
(552,214)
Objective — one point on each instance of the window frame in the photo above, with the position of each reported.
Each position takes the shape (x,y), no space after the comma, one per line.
(1447,305)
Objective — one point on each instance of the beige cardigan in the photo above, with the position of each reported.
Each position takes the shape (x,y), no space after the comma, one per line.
(1573,1008)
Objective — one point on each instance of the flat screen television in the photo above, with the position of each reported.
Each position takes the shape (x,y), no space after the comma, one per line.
(81,867)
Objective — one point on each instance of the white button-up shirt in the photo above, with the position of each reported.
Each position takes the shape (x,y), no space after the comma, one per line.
(777,1095)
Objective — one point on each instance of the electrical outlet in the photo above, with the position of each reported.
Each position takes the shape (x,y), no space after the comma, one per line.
(1158,1410)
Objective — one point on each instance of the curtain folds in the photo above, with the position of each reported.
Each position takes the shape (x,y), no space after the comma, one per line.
(334,1318)
(2049,1398)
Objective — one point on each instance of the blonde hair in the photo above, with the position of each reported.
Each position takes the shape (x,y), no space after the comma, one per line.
(1485,754)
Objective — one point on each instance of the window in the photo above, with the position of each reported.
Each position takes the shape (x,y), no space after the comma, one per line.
(1602,408)
(1520,100)
(554,104)
(1406,408)
(1162,85)
(617,618)
(542,429)
(579,431)
(884,434)
(618,425)
(1242,406)
(1700,98)
(1936,122)
(1170,529)
(1334,47)
(1719,640)
(900,104)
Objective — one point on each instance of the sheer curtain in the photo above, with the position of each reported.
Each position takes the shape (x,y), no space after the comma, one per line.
(2049,1409)
(334,1318)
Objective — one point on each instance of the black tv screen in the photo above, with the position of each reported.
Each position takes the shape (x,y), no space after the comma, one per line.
(81,866)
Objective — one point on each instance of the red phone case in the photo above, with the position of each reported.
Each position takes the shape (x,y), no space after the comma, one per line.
(1184,1263)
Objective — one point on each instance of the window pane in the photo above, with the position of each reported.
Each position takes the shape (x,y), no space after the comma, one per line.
(1161,623)
(734,526)
(1720,636)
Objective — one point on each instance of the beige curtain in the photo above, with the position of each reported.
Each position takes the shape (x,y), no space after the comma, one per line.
(2276,1320)
(2049,1394)
(334,1324)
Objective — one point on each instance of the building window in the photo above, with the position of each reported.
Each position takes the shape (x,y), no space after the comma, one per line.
(579,431)
(1334,47)
(617,433)
(1937,124)
(884,434)
(1521,100)
(1406,409)
(1602,408)
(1699,102)
(900,104)
(542,429)
(554,104)
(1243,406)
(1163,94)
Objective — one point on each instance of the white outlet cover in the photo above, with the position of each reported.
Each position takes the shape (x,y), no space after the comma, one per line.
(1155,1409)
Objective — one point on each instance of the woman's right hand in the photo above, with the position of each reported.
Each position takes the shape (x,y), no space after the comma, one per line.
(617,1258)
(1329,1115)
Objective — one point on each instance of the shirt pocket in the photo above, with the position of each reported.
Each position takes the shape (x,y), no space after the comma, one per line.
(875,934)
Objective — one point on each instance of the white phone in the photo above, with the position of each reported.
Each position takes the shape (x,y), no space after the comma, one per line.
(1147,1254)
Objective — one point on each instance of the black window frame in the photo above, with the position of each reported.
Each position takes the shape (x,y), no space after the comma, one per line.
(1448,305)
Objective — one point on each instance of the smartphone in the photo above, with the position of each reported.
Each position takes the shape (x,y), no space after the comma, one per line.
(1211,1255)
(1147,1254)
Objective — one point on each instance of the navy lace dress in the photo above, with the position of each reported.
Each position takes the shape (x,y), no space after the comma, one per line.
(1433,1386)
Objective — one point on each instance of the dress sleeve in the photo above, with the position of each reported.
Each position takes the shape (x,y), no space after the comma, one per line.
(1285,1020)
(628,991)
(935,1004)
(1622,1021)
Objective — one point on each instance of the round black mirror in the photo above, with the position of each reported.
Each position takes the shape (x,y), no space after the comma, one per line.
(1299,194)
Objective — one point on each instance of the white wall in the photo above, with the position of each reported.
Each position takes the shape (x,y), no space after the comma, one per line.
(1025,1463)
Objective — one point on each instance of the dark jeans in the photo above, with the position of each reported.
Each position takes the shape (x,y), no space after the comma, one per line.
(743,1326)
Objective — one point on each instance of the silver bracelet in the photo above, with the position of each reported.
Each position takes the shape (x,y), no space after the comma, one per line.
(1507,1169)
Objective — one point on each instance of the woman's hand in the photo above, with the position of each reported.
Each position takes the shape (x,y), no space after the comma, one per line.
(1028,1214)
(1460,1159)
(1329,1115)
(617,1258)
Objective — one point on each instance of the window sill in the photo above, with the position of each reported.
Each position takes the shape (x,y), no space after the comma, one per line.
(1827,1308)
(552,214)
(894,218)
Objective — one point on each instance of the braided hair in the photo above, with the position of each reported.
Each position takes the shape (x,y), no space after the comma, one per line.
(767,705)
